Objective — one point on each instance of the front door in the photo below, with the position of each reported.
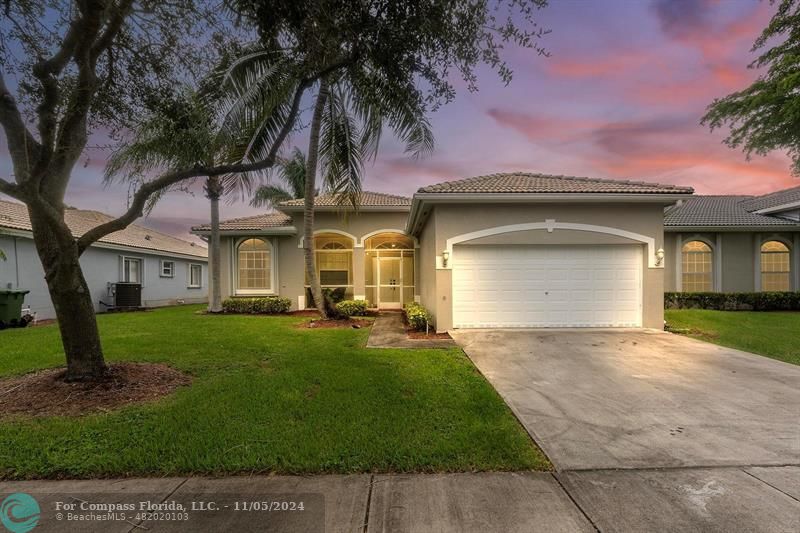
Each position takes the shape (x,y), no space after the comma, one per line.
(390,283)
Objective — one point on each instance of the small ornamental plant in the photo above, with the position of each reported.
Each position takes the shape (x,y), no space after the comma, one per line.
(418,317)
(352,307)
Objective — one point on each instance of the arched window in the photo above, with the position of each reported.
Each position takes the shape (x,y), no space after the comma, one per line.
(334,259)
(389,241)
(697,260)
(776,267)
(254,264)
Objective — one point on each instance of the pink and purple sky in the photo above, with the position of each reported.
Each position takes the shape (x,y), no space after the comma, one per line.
(620,96)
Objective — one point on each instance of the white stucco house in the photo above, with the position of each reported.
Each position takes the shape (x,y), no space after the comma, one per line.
(522,249)
(170,270)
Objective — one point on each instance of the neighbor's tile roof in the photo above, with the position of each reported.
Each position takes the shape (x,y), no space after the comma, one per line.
(774,199)
(709,211)
(258,222)
(15,216)
(367,199)
(521,182)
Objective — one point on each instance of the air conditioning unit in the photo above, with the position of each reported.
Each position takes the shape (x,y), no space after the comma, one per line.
(127,295)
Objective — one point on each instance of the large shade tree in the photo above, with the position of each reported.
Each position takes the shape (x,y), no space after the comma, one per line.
(766,115)
(91,65)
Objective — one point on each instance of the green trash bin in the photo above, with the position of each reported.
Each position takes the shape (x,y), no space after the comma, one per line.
(11,308)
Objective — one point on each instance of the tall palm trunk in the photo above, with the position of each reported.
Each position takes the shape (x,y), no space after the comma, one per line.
(213,192)
(308,198)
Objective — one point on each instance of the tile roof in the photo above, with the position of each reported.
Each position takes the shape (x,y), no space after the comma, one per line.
(709,211)
(367,199)
(774,199)
(522,182)
(257,222)
(15,216)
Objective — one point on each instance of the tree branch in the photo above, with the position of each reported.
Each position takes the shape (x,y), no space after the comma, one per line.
(136,209)
(6,187)
(113,28)
(22,146)
(72,134)
(46,71)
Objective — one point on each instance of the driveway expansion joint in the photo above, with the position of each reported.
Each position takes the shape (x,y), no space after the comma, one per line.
(770,484)
(575,502)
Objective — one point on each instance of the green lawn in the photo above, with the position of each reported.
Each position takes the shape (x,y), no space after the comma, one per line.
(775,334)
(266,397)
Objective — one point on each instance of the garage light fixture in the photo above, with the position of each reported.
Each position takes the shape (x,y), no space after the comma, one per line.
(660,257)
(445,257)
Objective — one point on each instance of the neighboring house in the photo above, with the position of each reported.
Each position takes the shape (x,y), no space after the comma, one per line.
(503,250)
(170,270)
(734,243)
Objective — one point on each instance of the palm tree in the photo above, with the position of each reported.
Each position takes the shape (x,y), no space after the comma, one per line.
(291,172)
(349,113)
(183,132)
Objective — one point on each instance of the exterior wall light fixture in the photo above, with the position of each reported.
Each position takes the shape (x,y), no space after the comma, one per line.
(660,257)
(445,258)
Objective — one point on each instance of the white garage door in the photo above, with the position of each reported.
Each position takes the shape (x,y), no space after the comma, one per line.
(547,286)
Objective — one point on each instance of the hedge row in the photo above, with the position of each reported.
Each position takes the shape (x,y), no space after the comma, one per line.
(271,305)
(733,301)
(417,316)
(268,305)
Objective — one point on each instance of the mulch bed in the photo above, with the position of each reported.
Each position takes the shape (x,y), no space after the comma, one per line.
(305,312)
(45,393)
(355,323)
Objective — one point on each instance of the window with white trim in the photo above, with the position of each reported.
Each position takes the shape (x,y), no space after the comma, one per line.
(254,266)
(167,269)
(195,276)
(334,261)
(131,270)
(776,267)
(697,261)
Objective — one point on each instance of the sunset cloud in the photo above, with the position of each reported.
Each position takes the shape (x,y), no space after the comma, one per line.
(620,96)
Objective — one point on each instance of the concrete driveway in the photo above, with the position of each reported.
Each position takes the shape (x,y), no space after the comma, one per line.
(601,399)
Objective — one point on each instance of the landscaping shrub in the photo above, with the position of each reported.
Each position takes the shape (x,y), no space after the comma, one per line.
(268,305)
(352,307)
(733,301)
(417,316)
(334,295)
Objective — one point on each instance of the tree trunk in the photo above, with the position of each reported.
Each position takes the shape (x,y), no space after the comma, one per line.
(71,298)
(308,199)
(215,291)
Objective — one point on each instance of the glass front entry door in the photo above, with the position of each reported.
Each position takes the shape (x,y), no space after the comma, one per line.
(390,283)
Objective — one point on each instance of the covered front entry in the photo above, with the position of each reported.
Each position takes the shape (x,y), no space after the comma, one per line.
(389,270)
(547,286)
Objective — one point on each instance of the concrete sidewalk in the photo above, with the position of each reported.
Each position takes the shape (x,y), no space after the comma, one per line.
(389,332)
(684,499)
